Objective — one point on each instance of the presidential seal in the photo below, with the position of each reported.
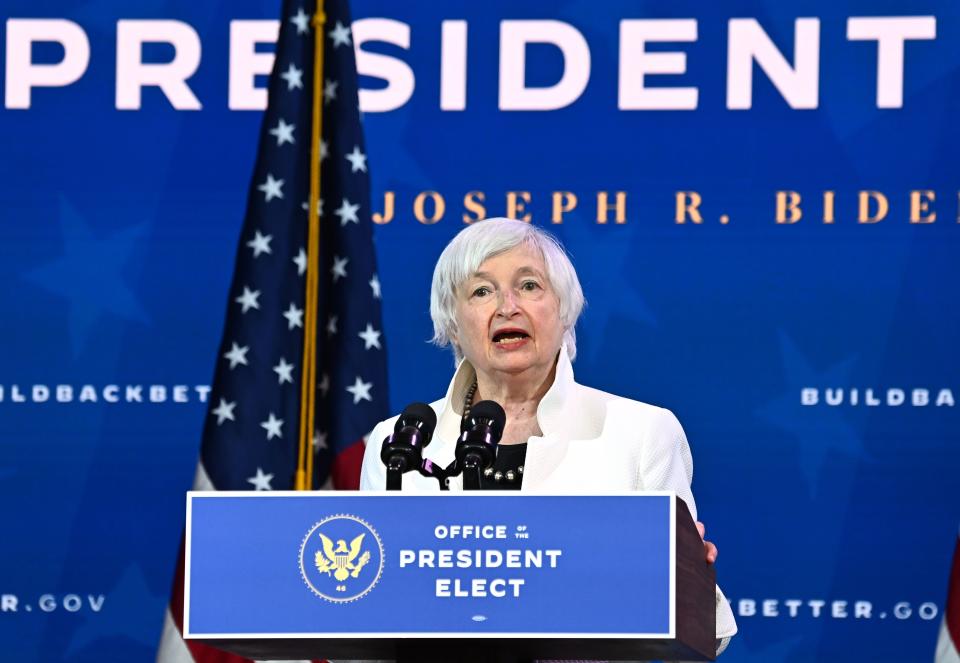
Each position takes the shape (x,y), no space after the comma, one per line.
(341,558)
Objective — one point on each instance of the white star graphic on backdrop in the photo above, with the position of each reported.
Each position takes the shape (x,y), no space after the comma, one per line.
(823,431)
(248,299)
(324,385)
(360,390)
(329,91)
(331,325)
(371,337)
(339,269)
(324,150)
(283,132)
(301,262)
(357,159)
(301,20)
(272,188)
(294,316)
(283,371)
(319,441)
(340,35)
(260,244)
(237,355)
(306,206)
(348,213)
(293,77)
(224,411)
(261,481)
(375,286)
(272,426)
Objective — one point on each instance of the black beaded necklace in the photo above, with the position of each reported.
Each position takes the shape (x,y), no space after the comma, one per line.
(509,476)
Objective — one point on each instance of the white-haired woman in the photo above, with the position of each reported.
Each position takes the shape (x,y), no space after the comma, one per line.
(506,298)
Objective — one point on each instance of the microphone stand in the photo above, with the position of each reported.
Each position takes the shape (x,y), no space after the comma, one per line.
(471,472)
(428,469)
(395,469)
(471,468)
(397,466)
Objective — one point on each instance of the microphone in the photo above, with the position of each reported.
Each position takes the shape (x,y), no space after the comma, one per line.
(403,451)
(479,435)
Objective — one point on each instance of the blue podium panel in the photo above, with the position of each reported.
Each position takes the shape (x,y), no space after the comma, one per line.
(389,565)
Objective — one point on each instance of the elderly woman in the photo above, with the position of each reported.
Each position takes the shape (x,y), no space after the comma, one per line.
(506,298)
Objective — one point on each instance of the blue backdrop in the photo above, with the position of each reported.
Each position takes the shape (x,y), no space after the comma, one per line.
(834,507)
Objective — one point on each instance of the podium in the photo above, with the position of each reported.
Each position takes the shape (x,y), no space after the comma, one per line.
(491,576)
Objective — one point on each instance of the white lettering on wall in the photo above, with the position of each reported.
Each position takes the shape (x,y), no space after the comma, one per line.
(22,74)
(636,63)
(798,83)
(246,63)
(397,73)
(514,37)
(453,66)
(171,77)
(890,33)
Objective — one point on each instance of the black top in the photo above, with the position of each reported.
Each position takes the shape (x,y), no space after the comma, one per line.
(510,457)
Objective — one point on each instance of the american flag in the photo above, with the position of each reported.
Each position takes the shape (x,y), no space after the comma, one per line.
(948,643)
(250,438)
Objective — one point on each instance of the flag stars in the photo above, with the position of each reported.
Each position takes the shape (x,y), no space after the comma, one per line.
(293,77)
(261,481)
(329,91)
(360,390)
(319,441)
(237,355)
(283,133)
(260,244)
(371,337)
(272,188)
(272,425)
(301,262)
(339,269)
(357,159)
(294,316)
(348,213)
(224,411)
(347,263)
(306,206)
(340,35)
(284,372)
(302,20)
(249,299)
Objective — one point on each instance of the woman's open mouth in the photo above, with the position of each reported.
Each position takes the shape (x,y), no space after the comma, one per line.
(511,338)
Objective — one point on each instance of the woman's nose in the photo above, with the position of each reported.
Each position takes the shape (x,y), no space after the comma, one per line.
(506,303)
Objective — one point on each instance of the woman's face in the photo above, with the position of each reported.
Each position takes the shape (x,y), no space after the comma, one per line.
(508,316)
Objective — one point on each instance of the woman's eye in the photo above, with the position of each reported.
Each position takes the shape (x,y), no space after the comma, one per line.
(530,286)
(482,291)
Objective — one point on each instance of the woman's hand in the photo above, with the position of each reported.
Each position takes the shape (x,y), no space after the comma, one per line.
(709,549)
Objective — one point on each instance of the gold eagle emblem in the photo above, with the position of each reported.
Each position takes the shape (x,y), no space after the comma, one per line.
(340,560)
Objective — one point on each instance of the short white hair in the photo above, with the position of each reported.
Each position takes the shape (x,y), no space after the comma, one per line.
(483,240)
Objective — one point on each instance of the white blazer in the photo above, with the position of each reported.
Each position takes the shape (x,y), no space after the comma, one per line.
(592,442)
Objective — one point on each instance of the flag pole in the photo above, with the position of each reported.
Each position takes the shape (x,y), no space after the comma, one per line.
(308,390)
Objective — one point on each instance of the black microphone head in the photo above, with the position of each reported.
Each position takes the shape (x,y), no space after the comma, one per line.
(490,411)
(419,415)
